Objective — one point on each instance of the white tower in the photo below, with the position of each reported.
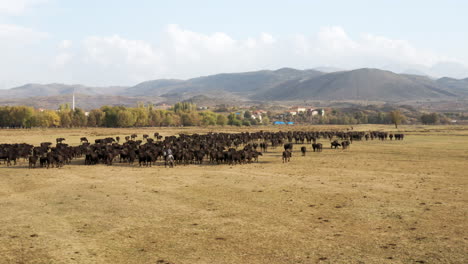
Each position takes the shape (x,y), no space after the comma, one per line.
(73,102)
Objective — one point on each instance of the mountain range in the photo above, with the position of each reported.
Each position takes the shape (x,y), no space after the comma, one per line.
(285,84)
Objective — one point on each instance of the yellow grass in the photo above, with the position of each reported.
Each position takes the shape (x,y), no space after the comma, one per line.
(378,202)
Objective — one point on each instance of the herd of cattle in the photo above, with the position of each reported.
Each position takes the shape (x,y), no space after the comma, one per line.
(215,148)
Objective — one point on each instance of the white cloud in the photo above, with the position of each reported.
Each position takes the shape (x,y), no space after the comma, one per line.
(116,50)
(192,44)
(13,34)
(181,53)
(62,59)
(334,40)
(65,44)
(17,7)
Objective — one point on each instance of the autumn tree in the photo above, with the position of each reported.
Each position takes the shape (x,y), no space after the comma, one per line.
(96,118)
(396,117)
(141,116)
(221,120)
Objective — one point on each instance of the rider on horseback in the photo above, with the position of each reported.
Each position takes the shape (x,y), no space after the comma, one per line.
(168,157)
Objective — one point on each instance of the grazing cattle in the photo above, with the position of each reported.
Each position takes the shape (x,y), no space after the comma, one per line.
(303,150)
(287,156)
(43,161)
(317,147)
(345,144)
(59,140)
(32,161)
(335,144)
(219,148)
(46,144)
(133,136)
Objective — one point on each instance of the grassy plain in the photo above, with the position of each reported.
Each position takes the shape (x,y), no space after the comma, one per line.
(378,202)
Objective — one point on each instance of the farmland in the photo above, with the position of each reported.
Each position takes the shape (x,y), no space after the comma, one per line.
(377,202)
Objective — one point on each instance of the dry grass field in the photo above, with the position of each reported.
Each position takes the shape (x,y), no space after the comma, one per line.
(378,202)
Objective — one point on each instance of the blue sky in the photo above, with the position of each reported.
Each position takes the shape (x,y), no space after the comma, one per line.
(125,42)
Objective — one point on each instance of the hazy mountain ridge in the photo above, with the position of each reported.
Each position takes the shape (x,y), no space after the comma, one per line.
(55,89)
(438,70)
(264,85)
(243,84)
(361,84)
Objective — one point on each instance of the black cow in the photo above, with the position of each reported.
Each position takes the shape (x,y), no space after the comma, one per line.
(287,156)
(335,144)
(317,147)
(303,150)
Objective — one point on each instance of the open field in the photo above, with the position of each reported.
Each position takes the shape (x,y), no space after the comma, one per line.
(378,202)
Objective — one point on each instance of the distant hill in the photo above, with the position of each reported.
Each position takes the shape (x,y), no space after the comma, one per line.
(458,86)
(285,84)
(361,84)
(242,84)
(153,88)
(83,101)
(203,100)
(31,90)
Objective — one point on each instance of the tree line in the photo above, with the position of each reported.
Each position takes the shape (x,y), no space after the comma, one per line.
(185,114)
(181,114)
(337,117)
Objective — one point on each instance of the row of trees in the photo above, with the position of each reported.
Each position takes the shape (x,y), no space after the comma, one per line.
(182,114)
(395,117)
(336,117)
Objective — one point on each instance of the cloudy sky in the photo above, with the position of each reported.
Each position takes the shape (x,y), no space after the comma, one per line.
(119,42)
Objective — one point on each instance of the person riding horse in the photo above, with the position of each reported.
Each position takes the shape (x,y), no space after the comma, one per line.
(168,158)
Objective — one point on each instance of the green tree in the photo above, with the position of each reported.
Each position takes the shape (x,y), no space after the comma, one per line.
(65,118)
(46,118)
(141,115)
(207,118)
(168,120)
(155,117)
(236,122)
(221,120)
(126,118)
(431,118)
(396,117)
(110,115)
(19,115)
(79,118)
(231,118)
(96,118)
(184,107)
